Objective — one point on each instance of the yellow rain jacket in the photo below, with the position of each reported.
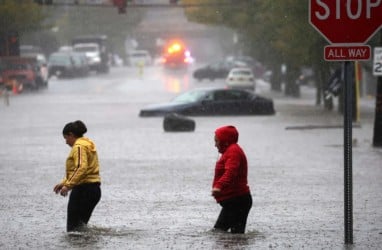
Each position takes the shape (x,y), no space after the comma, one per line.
(82,164)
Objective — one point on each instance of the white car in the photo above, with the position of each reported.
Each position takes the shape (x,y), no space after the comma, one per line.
(241,78)
(138,58)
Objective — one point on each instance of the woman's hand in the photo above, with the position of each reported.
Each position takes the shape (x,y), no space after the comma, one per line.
(64,191)
(215,192)
(58,188)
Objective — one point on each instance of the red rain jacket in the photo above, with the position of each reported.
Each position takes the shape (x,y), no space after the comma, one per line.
(231,169)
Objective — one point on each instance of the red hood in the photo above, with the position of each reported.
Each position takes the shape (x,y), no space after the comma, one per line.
(227,135)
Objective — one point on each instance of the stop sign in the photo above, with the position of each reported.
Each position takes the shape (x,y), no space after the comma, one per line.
(346,21)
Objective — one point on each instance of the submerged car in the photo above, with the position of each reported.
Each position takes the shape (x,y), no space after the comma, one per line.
(213,101)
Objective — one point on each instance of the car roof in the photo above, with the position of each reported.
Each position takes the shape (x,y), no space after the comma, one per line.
(213,89)
(82,45)
(241,69)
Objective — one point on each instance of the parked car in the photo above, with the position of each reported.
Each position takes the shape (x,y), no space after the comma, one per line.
(138,58)
(67,64)
(9,83)
(257,68)
(212,71)
(213,101)
(42,63)
(82,64)
(21,71)
(241,78)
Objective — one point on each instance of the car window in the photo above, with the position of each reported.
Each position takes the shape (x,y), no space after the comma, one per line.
(76,59)
(59,59)
(18,66)
(241,72)
(230,95)
(191,96)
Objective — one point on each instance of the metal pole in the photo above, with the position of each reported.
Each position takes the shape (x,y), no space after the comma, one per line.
(348,187)
(377,136)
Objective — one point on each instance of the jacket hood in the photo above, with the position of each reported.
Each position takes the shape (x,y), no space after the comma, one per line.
(86,142)
(227,135)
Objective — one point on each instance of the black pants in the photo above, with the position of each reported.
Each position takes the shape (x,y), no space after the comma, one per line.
(82,201)
(234,214)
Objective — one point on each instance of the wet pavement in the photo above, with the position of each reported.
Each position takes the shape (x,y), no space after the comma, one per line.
(156,185)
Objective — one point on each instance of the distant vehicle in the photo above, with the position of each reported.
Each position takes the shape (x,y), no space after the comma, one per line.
(241,78)
(214,101)
(97,51)
(21,71)
(92,53)
(65,49)
(41,62)
(217,70)
(176,56)
(247,61)
(138,58)
(63,64)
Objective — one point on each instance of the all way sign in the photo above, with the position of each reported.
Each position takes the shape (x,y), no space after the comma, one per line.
(347,53)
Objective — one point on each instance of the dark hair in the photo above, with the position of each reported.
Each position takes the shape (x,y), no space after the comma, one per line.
(77,128)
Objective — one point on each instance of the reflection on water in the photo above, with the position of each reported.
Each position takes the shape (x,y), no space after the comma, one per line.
(93,237)
(104,238)
(176,81)
(224,240)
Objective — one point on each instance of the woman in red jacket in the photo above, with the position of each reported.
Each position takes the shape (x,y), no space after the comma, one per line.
(230,186)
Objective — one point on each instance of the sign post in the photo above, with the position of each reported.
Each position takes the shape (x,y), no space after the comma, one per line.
(377,135)
(347,25)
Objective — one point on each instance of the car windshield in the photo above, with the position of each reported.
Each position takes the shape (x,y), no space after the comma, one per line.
(59,59)
(18,66)
(191,96)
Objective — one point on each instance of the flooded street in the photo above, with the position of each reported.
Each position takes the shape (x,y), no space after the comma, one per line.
(156,185)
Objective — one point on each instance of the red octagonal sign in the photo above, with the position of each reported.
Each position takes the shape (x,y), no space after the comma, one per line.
(346,21)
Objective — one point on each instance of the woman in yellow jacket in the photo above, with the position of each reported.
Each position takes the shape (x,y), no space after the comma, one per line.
(82,176)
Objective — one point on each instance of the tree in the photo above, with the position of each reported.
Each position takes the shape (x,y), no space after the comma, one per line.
(275,32)
(20,15)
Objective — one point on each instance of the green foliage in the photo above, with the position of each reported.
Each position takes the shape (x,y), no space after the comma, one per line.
(272,31)
(20,15)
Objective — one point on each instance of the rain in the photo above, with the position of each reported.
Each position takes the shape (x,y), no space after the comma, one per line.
(156,185)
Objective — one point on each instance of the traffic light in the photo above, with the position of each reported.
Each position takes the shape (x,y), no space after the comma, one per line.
(13,44)
(121,5)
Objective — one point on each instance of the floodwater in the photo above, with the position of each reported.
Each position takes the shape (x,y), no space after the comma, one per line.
(156,185)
